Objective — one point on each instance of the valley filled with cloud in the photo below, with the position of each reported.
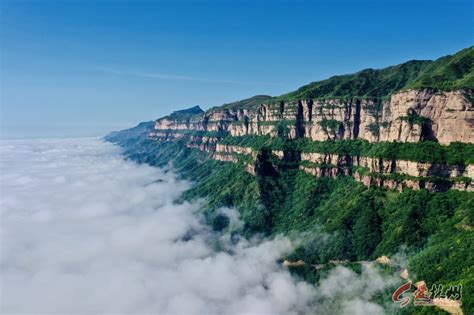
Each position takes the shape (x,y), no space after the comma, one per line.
(85,231)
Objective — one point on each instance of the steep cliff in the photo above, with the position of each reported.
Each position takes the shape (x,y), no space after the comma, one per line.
(409,116)
(297,165)
(400,104)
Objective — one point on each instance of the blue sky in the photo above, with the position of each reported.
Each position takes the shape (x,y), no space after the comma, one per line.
(83,67)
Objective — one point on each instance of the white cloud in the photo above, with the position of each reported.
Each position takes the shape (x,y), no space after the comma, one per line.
(345,292)
(178,77)
(84,231)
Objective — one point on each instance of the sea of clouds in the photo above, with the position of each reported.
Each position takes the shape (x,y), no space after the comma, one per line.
(84,231)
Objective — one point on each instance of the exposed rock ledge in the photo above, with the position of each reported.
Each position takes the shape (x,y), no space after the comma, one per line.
(376,172)
(409,116)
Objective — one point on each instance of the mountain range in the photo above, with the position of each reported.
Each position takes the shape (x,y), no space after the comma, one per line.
(380,160)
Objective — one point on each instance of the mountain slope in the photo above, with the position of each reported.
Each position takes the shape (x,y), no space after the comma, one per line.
(446,73)
(248,103)
(131,135)
(357,166)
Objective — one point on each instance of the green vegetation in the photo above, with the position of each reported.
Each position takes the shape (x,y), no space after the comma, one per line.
(416,120)
(130,136)
(398,177)
(376,107)
(338,218)
(446,73)
(202,133)
(374,129)
(330,125)
(248,103)
(456,153)
(384,124)
(318,165)
(254,142)
(333,219)
(185,114)
(366,83)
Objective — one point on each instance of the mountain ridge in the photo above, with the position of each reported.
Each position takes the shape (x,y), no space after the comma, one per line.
(380,175)
(332,87)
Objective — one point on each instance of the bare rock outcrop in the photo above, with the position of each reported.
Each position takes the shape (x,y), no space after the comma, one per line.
(449,117)
(409,116)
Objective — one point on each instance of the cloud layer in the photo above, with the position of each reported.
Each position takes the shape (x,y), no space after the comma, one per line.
(84,231)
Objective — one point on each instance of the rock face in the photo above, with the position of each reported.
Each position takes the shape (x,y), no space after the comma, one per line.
(409,116)
(449,117)
(392,174)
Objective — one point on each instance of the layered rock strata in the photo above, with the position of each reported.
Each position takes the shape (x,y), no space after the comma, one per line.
(408,116)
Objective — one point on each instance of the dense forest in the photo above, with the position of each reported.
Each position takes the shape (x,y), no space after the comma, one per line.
(337,220)
(433,230)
